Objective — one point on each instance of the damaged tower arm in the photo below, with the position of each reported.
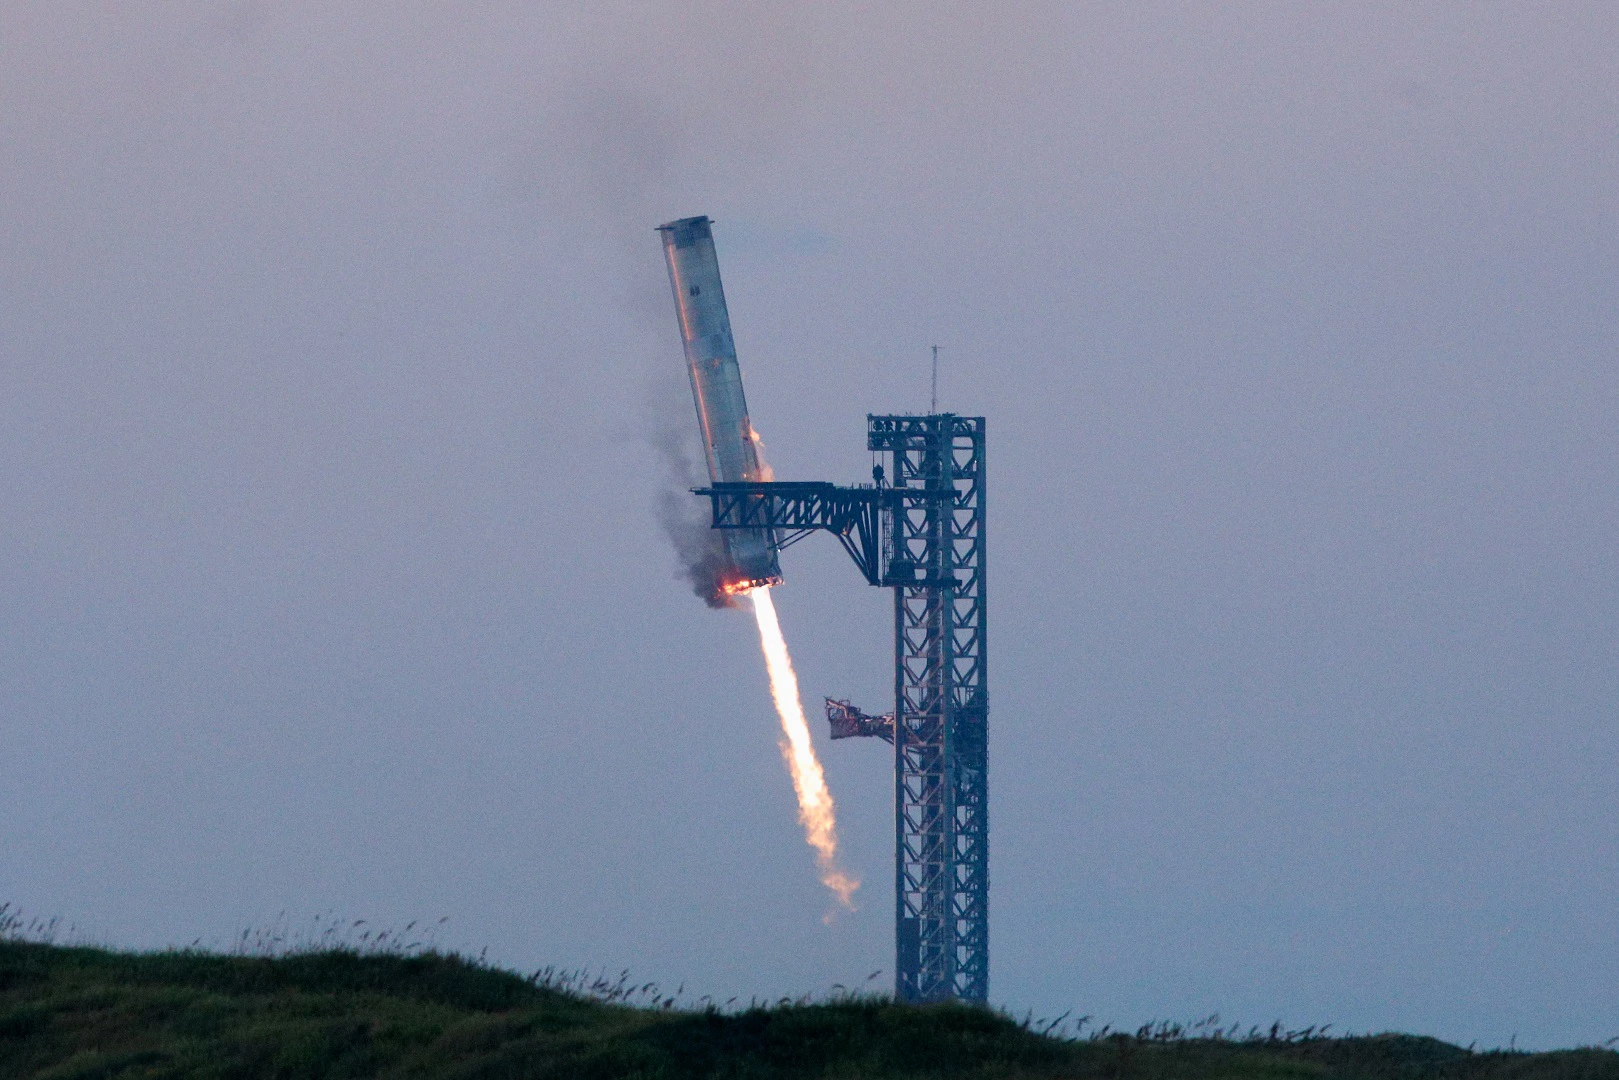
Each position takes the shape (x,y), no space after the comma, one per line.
(848,722)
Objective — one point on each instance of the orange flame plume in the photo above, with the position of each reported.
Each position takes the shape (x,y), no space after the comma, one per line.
(815,809)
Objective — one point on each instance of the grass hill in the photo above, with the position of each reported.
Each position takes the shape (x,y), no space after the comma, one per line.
(91,1013)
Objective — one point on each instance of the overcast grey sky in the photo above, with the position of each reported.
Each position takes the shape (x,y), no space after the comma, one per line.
(332,335)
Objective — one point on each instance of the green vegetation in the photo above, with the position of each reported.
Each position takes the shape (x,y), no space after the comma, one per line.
(82,1013)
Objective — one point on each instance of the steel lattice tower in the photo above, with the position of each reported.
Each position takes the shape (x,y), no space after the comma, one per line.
(919,529)
(936,568)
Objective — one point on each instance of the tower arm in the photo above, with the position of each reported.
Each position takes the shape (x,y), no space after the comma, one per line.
(848,722)
(794,509)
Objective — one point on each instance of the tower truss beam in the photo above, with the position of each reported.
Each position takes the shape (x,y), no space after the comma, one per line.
(794,509)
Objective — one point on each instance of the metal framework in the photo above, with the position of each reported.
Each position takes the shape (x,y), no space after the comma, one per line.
(848,722)
(793,510)
(920,533)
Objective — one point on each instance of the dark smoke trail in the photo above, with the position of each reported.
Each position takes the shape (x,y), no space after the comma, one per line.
(684,518)
(602,162)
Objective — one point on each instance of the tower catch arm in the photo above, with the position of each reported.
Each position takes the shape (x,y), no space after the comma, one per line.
(794,509)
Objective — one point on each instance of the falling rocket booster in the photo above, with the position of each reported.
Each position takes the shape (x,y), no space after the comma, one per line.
(729,440)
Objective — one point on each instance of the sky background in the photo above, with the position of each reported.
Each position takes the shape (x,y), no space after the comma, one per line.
(336,344)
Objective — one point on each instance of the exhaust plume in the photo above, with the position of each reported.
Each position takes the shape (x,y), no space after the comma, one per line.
(815,810)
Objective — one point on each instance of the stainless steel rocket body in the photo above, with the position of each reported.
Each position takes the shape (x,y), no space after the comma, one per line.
(729,441)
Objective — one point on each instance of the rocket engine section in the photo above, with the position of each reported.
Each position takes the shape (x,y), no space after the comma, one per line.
(729,441)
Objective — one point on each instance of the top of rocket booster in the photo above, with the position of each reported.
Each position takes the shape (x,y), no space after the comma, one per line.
(694,275)
(687,231)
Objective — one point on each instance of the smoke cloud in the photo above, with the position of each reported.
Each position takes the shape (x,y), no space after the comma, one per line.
(699,549)
(603,160)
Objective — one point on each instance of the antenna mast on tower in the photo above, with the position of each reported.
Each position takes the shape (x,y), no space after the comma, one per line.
(933,402)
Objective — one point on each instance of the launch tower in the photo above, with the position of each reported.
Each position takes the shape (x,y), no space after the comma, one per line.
(919,530)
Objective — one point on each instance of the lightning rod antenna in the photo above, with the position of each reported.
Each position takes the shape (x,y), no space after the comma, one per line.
(933,405)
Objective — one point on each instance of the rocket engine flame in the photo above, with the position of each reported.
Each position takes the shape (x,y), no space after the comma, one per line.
(815,810)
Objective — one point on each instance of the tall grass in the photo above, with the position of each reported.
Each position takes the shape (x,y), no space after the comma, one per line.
(327,933)
(334,998)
